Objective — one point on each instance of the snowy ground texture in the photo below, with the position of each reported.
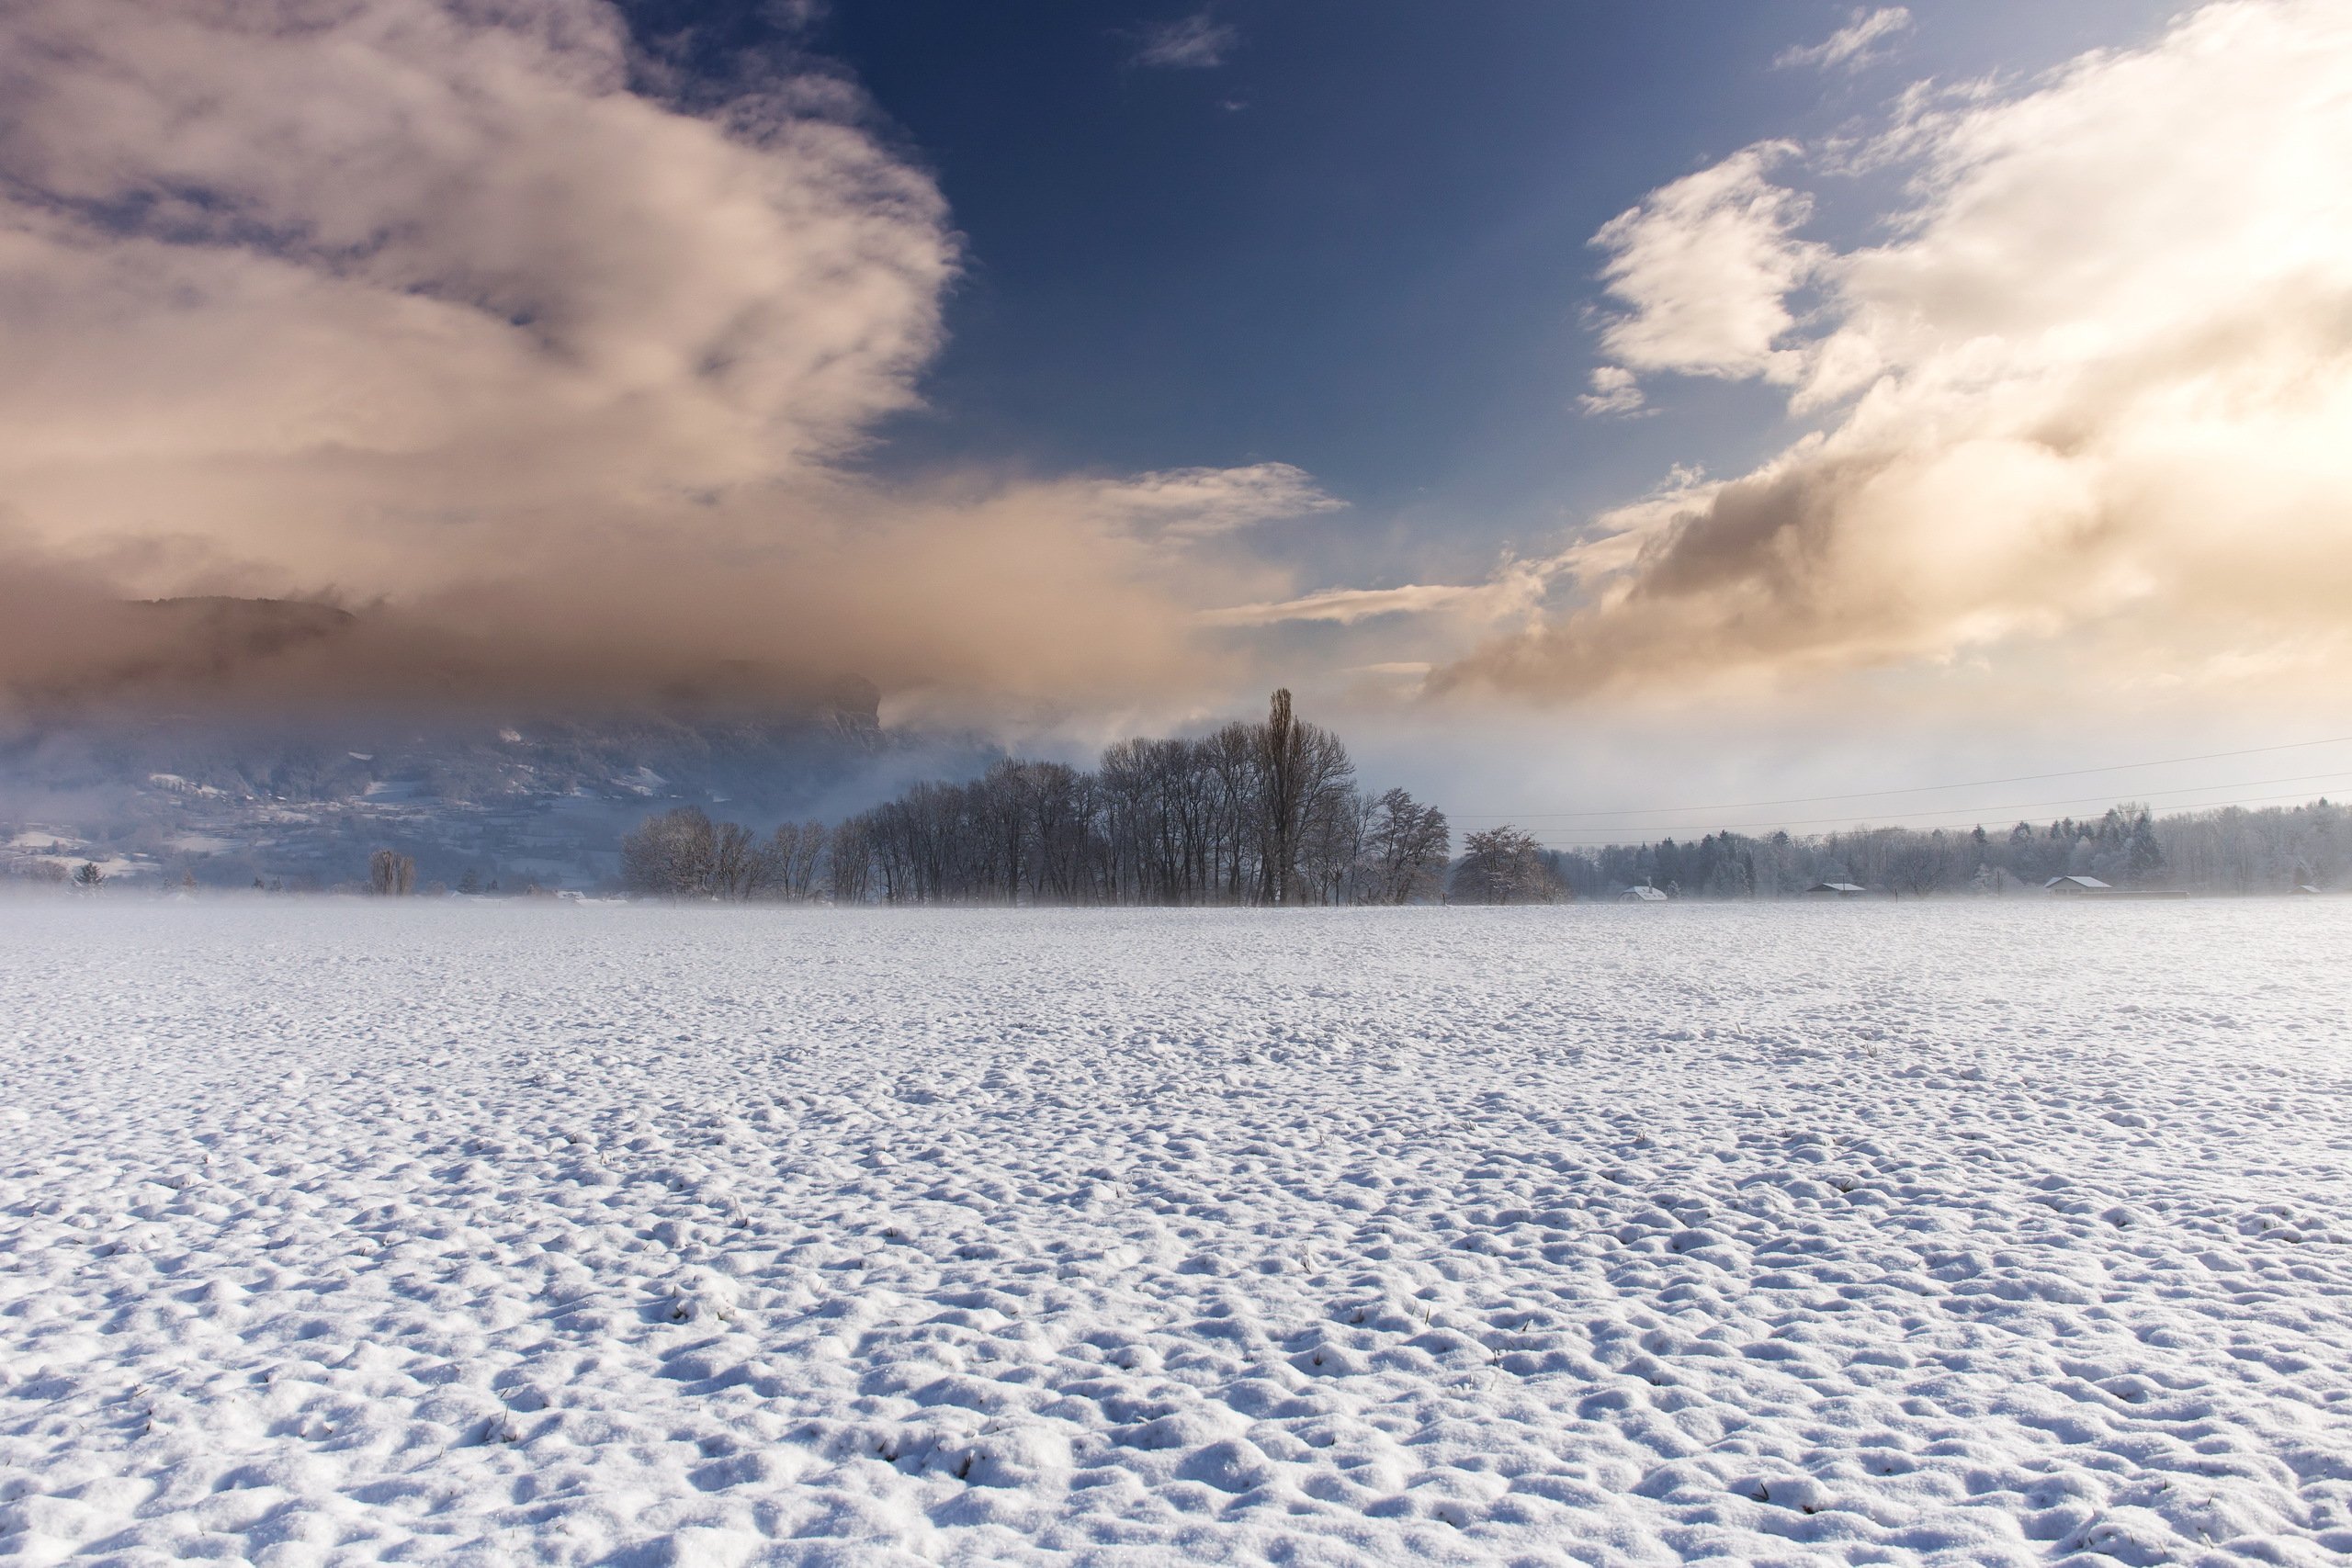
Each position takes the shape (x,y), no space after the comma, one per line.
(1957,1234)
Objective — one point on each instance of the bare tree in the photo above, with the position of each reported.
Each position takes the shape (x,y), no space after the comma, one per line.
(734,855)
(1331,867)
(1408,844)
(1505,865)
(1002,817)
(391,874)
(1915,864)
(1282,766)
(674,855)
(1300,765)
(786,865)
(1061,812)
(848,861)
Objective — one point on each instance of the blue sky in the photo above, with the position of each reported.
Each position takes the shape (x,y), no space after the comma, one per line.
(1590,401)
(1358,242)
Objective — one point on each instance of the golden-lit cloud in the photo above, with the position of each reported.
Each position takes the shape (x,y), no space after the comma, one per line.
(1702,270)
(343,284)
(2091,394)
(436,309)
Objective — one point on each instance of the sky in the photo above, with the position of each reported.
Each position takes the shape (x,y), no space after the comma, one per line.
(1587,408)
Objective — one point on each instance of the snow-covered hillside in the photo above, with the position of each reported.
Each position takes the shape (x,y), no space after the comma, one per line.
(1961,1234)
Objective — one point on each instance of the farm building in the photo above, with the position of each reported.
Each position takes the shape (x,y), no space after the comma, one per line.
(2076,885)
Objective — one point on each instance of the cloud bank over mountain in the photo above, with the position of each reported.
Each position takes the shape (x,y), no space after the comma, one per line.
(447,306)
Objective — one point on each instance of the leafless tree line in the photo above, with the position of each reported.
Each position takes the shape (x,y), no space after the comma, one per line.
(685,854)
(1265,812)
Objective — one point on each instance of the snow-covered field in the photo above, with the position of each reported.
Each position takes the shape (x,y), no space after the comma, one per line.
(1979,1233)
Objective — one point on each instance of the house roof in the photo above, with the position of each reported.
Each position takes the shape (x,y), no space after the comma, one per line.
(1837,887)
(2076,882)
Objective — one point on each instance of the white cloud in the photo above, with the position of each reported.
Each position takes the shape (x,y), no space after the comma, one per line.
(2092,395)
(1703,268)
(1615,390)
(1345,606)
(1512,592)
(1850,46)
(1191,503)
(1197,42)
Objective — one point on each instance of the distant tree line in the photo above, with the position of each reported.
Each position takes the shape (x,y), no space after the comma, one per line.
(1270,814)
(48,872)
(2226,851)
(1263,813)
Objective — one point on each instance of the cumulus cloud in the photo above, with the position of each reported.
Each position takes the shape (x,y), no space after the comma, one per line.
(422,303)
(2093,394)
(1197,42)
(1615,390)
(425,249)
(1851,47)
(1703,268)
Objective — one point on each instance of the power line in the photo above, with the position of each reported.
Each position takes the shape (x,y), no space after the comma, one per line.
(1910,789)
(1959,814)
